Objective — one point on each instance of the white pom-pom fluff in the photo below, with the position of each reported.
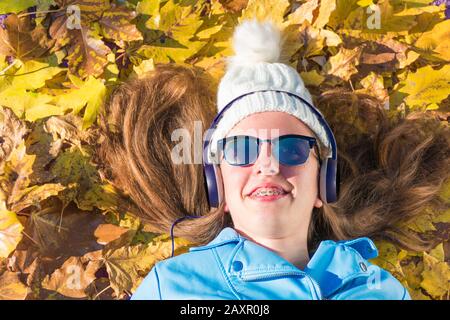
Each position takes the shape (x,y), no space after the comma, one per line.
(254,42)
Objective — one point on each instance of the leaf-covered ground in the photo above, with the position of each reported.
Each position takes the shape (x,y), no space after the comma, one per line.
(65,232)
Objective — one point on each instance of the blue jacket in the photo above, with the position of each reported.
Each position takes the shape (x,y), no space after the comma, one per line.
(234,268)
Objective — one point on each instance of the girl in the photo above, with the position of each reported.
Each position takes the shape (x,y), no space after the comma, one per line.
(266,210)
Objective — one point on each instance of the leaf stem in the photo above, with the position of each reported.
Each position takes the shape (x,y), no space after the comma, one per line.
(96,296)
(8,67)
(25,73)
(351,85)
(37,12)
(31,238)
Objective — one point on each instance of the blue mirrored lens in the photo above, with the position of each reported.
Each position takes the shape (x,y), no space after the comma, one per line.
(291,151)
(241,150)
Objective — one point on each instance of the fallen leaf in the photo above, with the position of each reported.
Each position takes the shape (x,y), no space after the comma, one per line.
(12,131)
(20,40)
(436,277)
(326,8)
(10,231)
(426,85)
(73,278)
(11,288)
(343,64)
(108,232)
(116,25)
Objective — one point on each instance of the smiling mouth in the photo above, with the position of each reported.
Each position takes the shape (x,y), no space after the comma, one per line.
(268,194)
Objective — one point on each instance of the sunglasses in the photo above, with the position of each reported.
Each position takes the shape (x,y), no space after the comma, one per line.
(289,150)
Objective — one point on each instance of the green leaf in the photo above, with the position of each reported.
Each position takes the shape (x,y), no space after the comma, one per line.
(170,39)
(29,105)
(75,171)
(93,104)
(90,93)
(15,6)
(436,41)
(29,75)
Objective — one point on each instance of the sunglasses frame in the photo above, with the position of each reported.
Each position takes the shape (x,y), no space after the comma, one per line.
(311,140)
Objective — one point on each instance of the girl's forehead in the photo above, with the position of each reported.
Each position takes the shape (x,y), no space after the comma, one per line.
(267,125)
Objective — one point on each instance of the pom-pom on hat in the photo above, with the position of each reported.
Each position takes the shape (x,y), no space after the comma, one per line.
(264,83)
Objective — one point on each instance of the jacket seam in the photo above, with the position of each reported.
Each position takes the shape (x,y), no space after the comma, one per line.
(344,282)
(357,253)
(353,275)
(157,281)
(233,254)
(253,271)
(349,242)
(210,246)
(348,245)
(222,269)
(404,293)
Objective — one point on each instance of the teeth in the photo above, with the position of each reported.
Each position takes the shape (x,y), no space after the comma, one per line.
(267,192)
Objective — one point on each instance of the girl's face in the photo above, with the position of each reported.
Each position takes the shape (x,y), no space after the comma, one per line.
(277,216)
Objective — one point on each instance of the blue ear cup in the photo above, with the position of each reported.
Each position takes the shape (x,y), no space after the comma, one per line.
(329,181)
(213,180)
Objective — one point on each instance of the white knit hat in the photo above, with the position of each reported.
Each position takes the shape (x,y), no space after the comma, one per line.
(254,70)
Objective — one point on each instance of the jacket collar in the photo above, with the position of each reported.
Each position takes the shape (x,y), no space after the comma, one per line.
(331,264)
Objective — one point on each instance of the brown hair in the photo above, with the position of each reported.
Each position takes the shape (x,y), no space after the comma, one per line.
(390,167)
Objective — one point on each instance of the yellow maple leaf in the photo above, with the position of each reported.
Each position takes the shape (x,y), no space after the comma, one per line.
(326,8)
(436,41)
(304,13)
(343,64)
(10,231)
(312,78)
(436,277)
(426,86)
(128,265)
(261,10)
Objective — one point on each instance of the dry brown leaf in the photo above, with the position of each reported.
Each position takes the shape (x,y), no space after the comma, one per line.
(12,131)
(11,288)
(72,278)
(108,232)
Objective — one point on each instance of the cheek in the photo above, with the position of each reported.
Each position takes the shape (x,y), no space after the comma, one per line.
(234,180)
(304,179)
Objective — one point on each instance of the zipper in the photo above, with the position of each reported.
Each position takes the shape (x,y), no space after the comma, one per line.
(282,274)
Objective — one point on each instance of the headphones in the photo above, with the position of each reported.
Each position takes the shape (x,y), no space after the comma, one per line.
(329,173)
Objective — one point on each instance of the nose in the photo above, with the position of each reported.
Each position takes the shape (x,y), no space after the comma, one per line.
(266,164)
